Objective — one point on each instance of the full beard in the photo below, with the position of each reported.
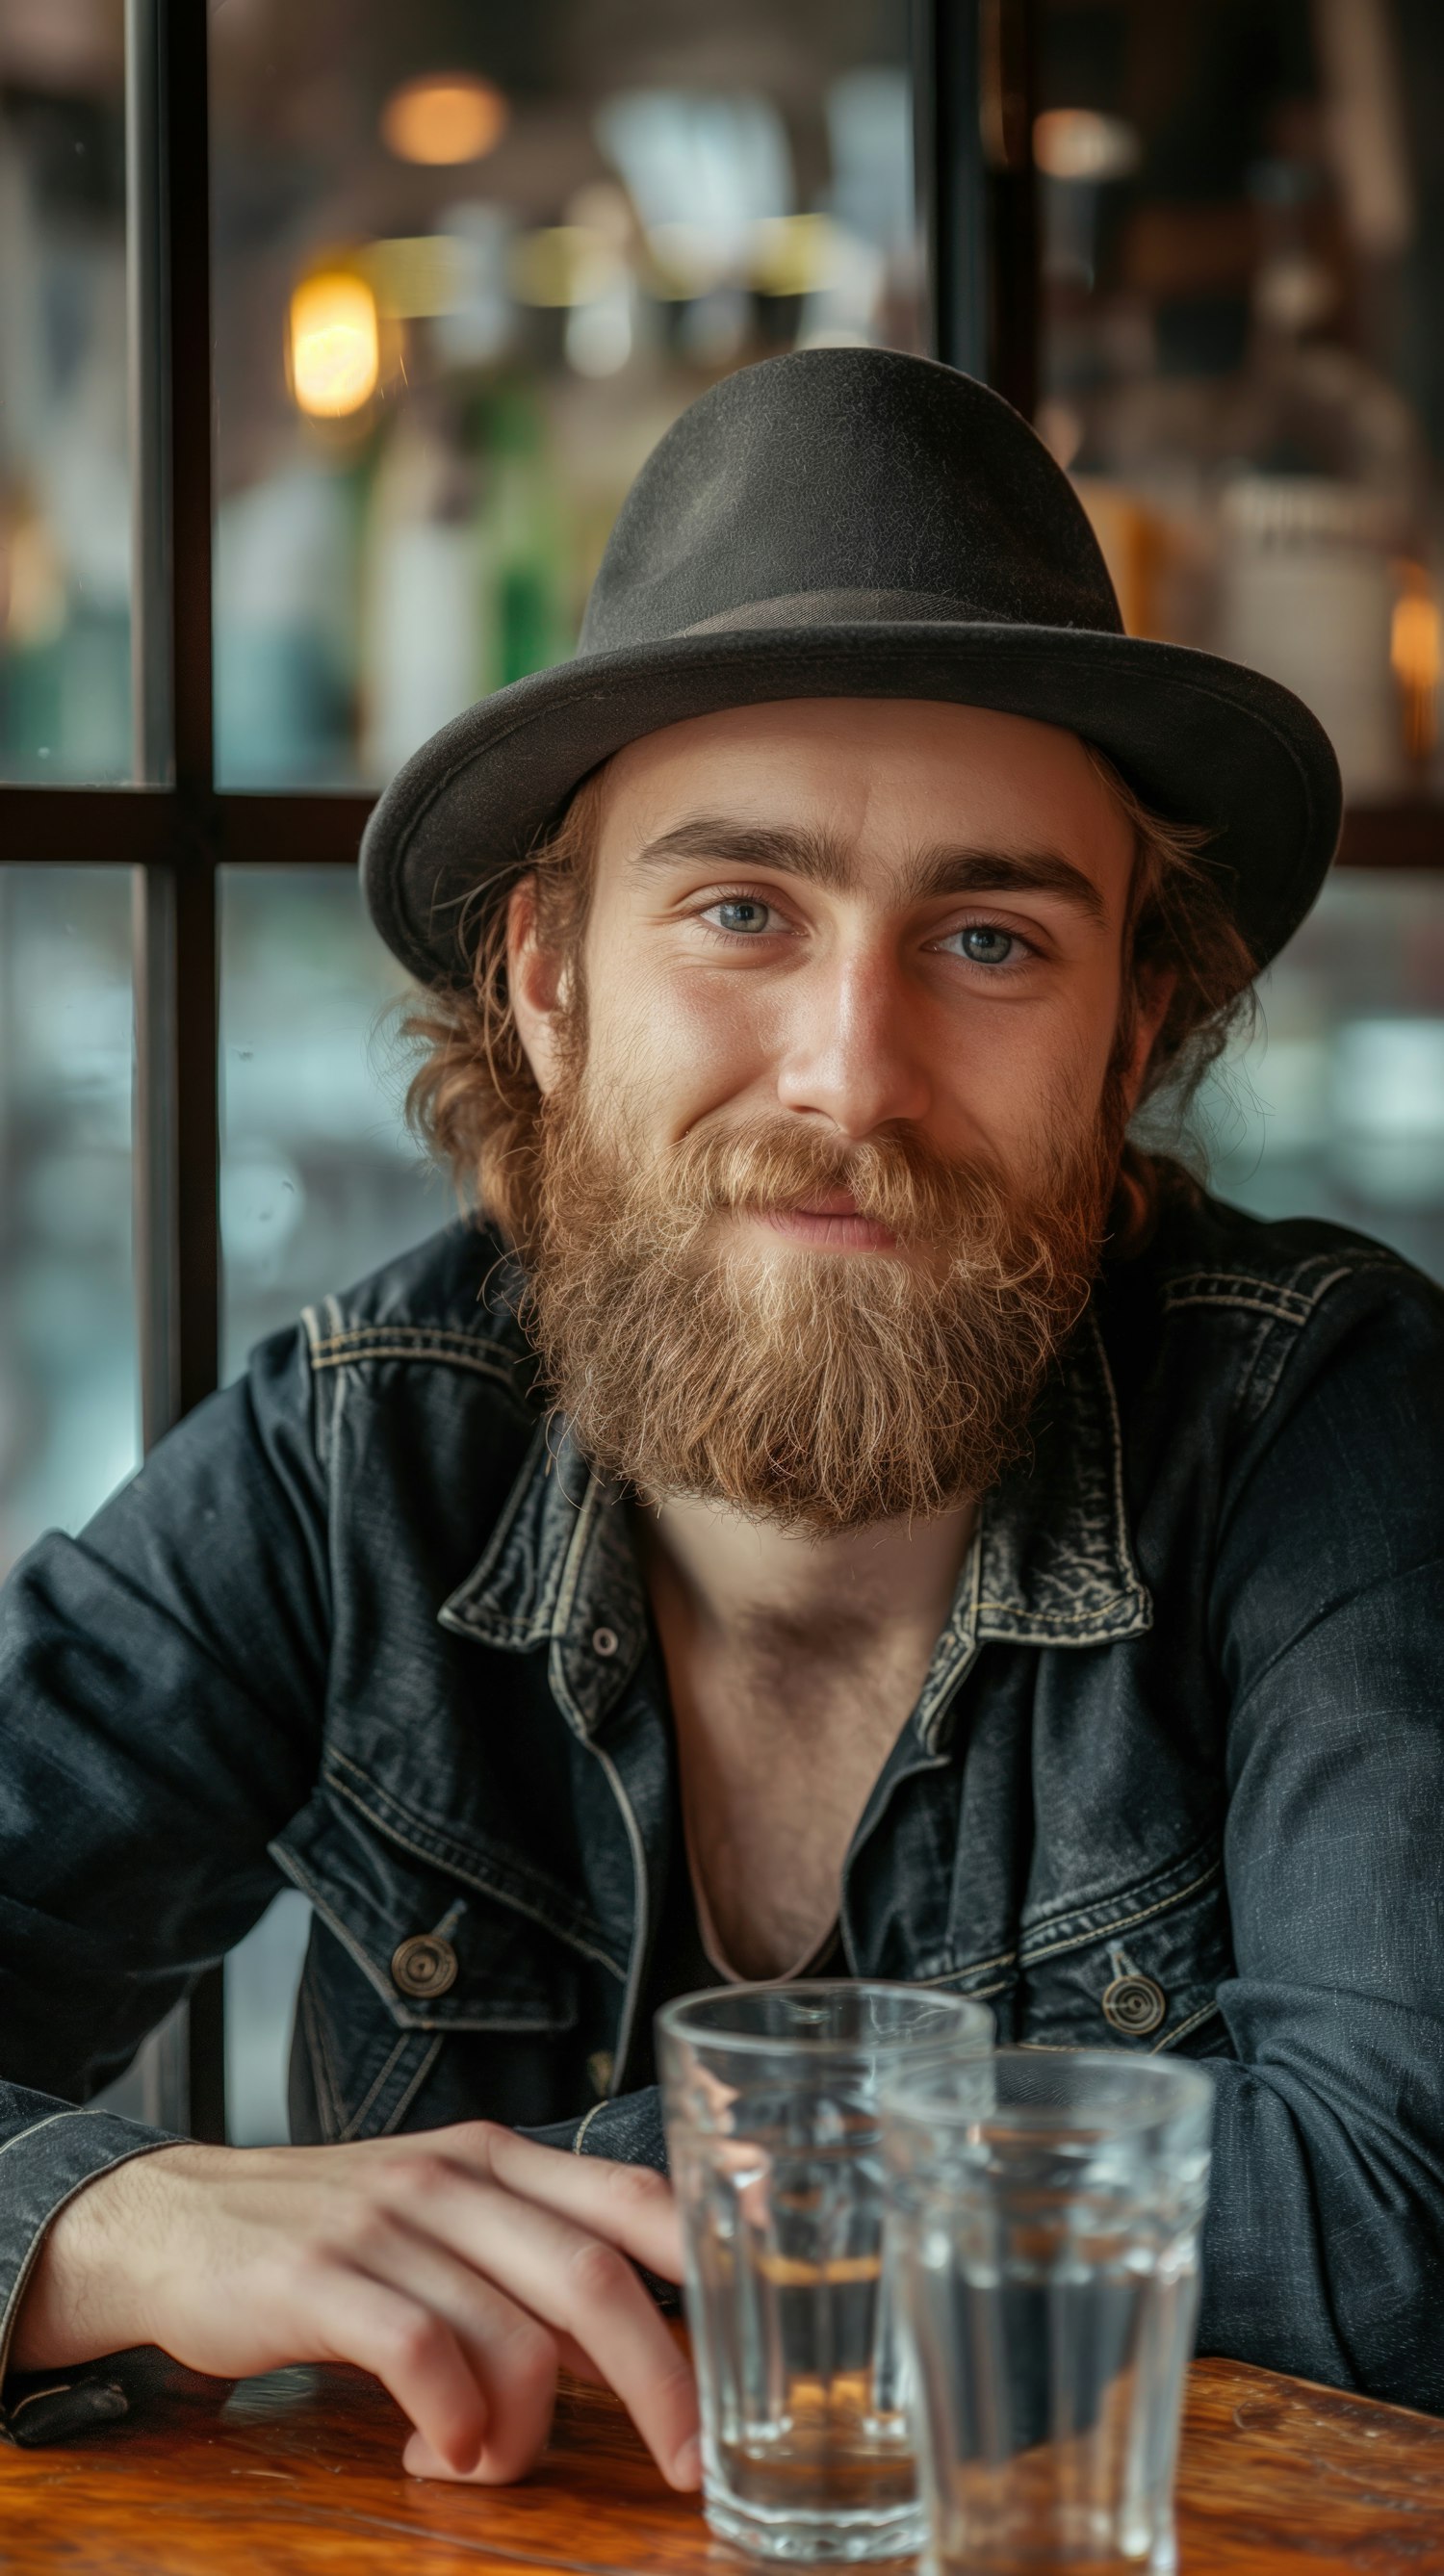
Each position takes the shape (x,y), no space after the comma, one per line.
(815,1390)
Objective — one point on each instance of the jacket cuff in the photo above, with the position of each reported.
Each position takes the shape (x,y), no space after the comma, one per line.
(43,2406)
(628,2129)
(41,2170)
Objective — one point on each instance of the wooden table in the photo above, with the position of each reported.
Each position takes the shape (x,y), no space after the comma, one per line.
(298,2474)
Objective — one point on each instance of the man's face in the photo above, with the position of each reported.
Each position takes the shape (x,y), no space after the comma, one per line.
(860,914)
(849,1098)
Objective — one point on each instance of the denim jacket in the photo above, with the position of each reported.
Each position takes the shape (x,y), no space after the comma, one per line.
(367,1624)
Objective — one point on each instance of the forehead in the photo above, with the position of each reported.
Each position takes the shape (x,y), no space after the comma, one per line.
(880,777)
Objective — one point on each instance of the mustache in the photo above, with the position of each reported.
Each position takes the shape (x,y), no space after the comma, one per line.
(897,1178)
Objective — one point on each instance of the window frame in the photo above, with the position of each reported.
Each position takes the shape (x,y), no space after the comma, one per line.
(175,830)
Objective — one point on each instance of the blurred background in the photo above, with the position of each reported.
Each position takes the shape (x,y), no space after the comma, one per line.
(467,263)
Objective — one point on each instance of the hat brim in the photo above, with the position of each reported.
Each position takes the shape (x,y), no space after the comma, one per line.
(1203,741)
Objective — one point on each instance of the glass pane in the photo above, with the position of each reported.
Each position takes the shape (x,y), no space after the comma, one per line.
(319,1184)
(69,1391)
(1241,360)
(1337,1109)
(64,461)
(319,1181)
(470,265)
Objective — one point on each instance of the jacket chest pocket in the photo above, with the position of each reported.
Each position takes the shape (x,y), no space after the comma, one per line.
(1140,1970)
(402,1958)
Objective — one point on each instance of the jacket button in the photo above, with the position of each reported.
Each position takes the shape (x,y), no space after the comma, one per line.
(604,1641)
(1134,2004)
(424,1965)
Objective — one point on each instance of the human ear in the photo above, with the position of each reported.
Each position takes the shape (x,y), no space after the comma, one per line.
(536,985)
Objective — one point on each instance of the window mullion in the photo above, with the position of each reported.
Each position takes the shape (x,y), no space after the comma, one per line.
(973,154)
(177,1124)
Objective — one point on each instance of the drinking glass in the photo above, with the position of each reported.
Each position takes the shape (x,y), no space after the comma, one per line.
(1045,2210)
(771,2098)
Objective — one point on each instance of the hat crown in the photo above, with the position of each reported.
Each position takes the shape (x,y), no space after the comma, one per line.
(856,485)
(854,523)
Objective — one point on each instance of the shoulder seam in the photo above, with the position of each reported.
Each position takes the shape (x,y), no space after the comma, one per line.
(1292,1300)
(437,1343)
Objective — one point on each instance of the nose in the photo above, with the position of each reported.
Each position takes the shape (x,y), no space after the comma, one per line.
(852,1041)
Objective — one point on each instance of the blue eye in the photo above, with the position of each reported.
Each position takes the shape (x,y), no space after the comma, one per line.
(742,914)
(983,945)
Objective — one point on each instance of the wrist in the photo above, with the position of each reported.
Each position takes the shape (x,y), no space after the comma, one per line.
(94,2283)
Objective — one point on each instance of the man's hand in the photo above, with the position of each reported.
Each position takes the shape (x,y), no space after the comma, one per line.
(461,2267)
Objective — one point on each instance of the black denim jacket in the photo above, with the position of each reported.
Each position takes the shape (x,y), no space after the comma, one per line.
(1175,1779)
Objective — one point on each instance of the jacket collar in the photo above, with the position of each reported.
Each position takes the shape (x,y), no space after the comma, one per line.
(1058,1567)
(560,1571)
(1052,1563)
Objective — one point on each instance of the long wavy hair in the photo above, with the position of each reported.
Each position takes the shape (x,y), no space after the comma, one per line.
(474,1102)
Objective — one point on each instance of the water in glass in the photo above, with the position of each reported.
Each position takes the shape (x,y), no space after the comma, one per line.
(774,2144)
(1045,2243)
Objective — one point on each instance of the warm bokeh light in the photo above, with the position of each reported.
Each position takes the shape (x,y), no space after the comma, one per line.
(443,117)
(335,344)
(1414,654)
(32,583)
(1078,143)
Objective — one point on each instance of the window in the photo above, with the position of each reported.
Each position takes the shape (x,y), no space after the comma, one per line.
(65,518)
(69,1403)
(471,264)
(1241,230)
(1337,1109)
(1241,226)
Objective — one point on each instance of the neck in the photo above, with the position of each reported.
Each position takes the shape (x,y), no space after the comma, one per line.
(738,1576)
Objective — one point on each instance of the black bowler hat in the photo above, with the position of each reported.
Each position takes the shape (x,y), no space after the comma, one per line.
(856,523)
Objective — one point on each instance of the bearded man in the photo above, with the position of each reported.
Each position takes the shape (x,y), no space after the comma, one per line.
(847,1507)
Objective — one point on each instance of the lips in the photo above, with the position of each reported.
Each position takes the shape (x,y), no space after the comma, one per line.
(829,1203)
(832,1223)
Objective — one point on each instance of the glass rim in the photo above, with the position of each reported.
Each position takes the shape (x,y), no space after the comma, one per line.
(913,2097)
(672,2020)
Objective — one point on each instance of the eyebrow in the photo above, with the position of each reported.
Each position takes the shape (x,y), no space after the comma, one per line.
(945,869)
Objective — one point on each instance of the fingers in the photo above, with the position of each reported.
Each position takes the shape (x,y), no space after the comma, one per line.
(686,2468)
(512,2358)
(413,2351)
(579,2283)
(573,2358)
(419,2460)
(630,2205)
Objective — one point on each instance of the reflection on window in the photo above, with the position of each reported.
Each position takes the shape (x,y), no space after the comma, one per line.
(69,1402)
(64,489)
(1243,233)
(470,266)
(319,1181)
(1337,1109)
